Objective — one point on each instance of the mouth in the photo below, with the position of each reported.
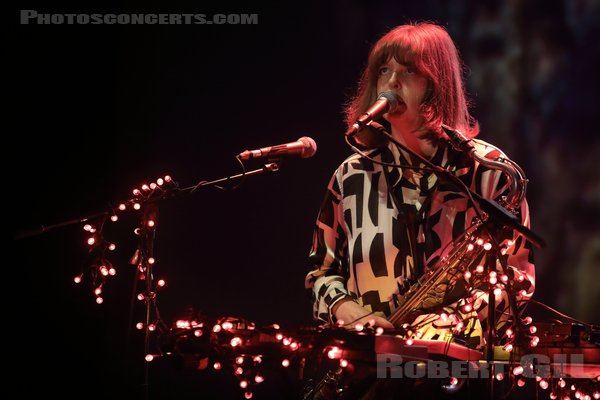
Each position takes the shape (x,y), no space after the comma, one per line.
(400,108)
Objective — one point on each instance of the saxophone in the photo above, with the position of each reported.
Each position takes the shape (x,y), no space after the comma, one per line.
(443,284)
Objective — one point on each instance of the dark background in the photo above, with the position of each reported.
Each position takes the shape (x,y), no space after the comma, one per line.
(95,111)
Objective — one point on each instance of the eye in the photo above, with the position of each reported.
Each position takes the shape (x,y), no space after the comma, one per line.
(384,70)
(410,70)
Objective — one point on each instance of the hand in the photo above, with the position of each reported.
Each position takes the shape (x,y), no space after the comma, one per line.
(352,313)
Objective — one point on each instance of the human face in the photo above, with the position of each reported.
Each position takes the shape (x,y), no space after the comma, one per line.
(410,86)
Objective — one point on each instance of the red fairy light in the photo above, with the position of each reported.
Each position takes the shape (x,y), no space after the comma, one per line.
(244,384)
(532,329)
(527,320)
(122,207)
(521,382)
(285,363)
(77,279)
(518,370)
(286,342)
(497,292)
(145,187)
(236,341)
(151,223)
(544,384)
(453,380)
(136,192)
(343,363)
(259,379)
(161,282)
(114,218)
(487,246)
(359,327)
(499,376)
(470,247)
(248,395)
(149,357)
(479,269)
(217,328)
(139,325)
(239,371)
(153,186)
(87,227)
(467,275)
(468,308)
(112,247)
(91,241)
(151,327)
(562,383)
(151,260)
(504,278)
(136,206)
(294,346)
(112,271)
(99,300)
(276,326)
(98,290)
(239,360)
(167,178)
(379,331)
(141,297)
(480,241)
(217,366)
(334,353)
(279,336)
(160,181)
(227,325)
(198,332)
(257,359)
(180,323)
(409,342)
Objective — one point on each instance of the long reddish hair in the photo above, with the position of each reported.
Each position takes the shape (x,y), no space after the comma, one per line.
(428,48)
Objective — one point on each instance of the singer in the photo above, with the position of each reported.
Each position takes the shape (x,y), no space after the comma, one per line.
(379,227)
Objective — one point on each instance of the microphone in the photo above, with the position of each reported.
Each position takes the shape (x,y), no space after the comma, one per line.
(457,139)
(386,102)
(304,147)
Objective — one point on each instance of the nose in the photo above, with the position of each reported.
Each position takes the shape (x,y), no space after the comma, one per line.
(394,82)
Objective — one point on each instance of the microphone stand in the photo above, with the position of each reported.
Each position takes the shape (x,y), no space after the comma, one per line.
(143,257)
(498,218)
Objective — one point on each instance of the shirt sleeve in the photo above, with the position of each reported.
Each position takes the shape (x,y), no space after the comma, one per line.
(328,259)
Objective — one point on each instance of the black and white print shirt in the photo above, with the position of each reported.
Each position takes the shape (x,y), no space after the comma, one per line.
(380,228)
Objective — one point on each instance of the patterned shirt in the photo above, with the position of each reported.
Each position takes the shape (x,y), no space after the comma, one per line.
(380,227)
